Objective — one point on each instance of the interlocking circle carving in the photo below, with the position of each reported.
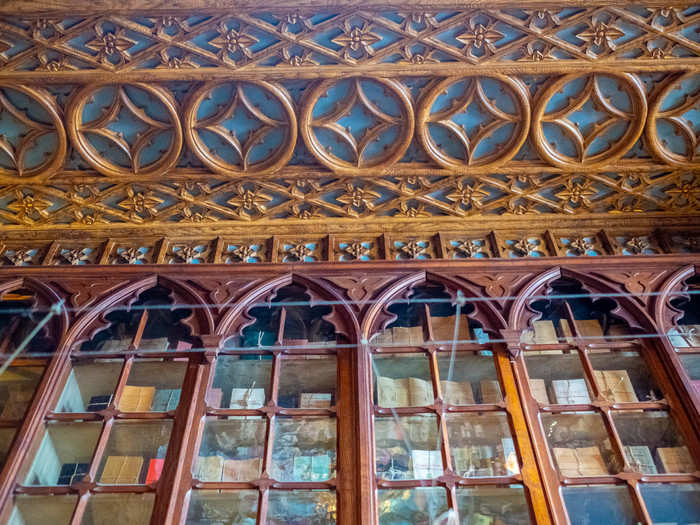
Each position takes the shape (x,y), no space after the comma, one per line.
(241,127)
(474,121)
(33,141)
(587,120)
(673,130)
(357,125)
(125,129)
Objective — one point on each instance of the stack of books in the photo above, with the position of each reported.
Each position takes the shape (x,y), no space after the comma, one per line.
(137,398)
(457,392)
(538,389)
(407,335)
(490,391)
(98,403)
(639,458)
(315,400)
(582,461)
(122,470)
(218,468)
(443,328)
(675,460)
(616,386)
(72,472)
(570,392)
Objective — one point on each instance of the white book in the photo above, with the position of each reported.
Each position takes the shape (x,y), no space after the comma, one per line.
(570,392)
(427,464)
(247,398)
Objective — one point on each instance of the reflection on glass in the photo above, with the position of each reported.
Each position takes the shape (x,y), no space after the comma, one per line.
(623,377)
(90,386)
(481,445)
(301,507)
(153,386)
(307,382)
(591,504)
(580,444)
(652,443)
(304,449)
(107,509)
(42,510)
(402,380)
(493,505)
(17,385)
(469,379)
(241,382)
(407,447)
(691,363)
(231,450)
(557,379)
(63,454)
(415,505)
(135,452)
(213,507)
(672,503)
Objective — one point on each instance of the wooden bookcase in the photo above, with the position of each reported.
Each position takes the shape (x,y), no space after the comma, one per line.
(437,392)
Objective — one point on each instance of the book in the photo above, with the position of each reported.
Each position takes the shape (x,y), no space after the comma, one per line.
(427,464)
(538,388)
(214,397)
(247,398)
(411,391)
(591,332)
(320,467)
(98,403)
(443,328)
(490,391)
(314,400)
(136,398)
(155,468)
(71,472)
(639,458)
(122,470)
(166,399)
(209,468)
(545,334)
(121,344)
(384,337)
(570,392)
(156,344)
(583,461)
(616,386)
(675,459)
(457,392)
(241,469)
(408,335)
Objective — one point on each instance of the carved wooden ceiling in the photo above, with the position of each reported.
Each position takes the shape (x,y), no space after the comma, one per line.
(213,118)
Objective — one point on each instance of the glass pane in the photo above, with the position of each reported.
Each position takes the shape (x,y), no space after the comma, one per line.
(591,504)
(6,437)
(231,450)
(42,510)
(90,386)
(135,452)
(304,449)
(672,503)
(214,507)
(63,454)
(557,379)
(691,363)
(481,445)
(108,509)
(652,443)
(17,385)
(493,505)
(407,447)
(308,381)
(580,444)
(468,379)
(241,382)
(301,507)
(623,377)
(402,380)
(153,386)
(418,505)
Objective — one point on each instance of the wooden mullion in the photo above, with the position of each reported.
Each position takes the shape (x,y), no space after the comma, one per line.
(524,441)
(365,464)
(347,438)
(638,502)
(79,510)
(121,382)
(616,440)
(100,448)
(139,330)
(263,500)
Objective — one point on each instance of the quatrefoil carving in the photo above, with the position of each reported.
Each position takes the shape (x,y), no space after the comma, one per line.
(237,127)
(588,120)
(673,130)
(33,142)
(125,129)
(474,121)
(357,125)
